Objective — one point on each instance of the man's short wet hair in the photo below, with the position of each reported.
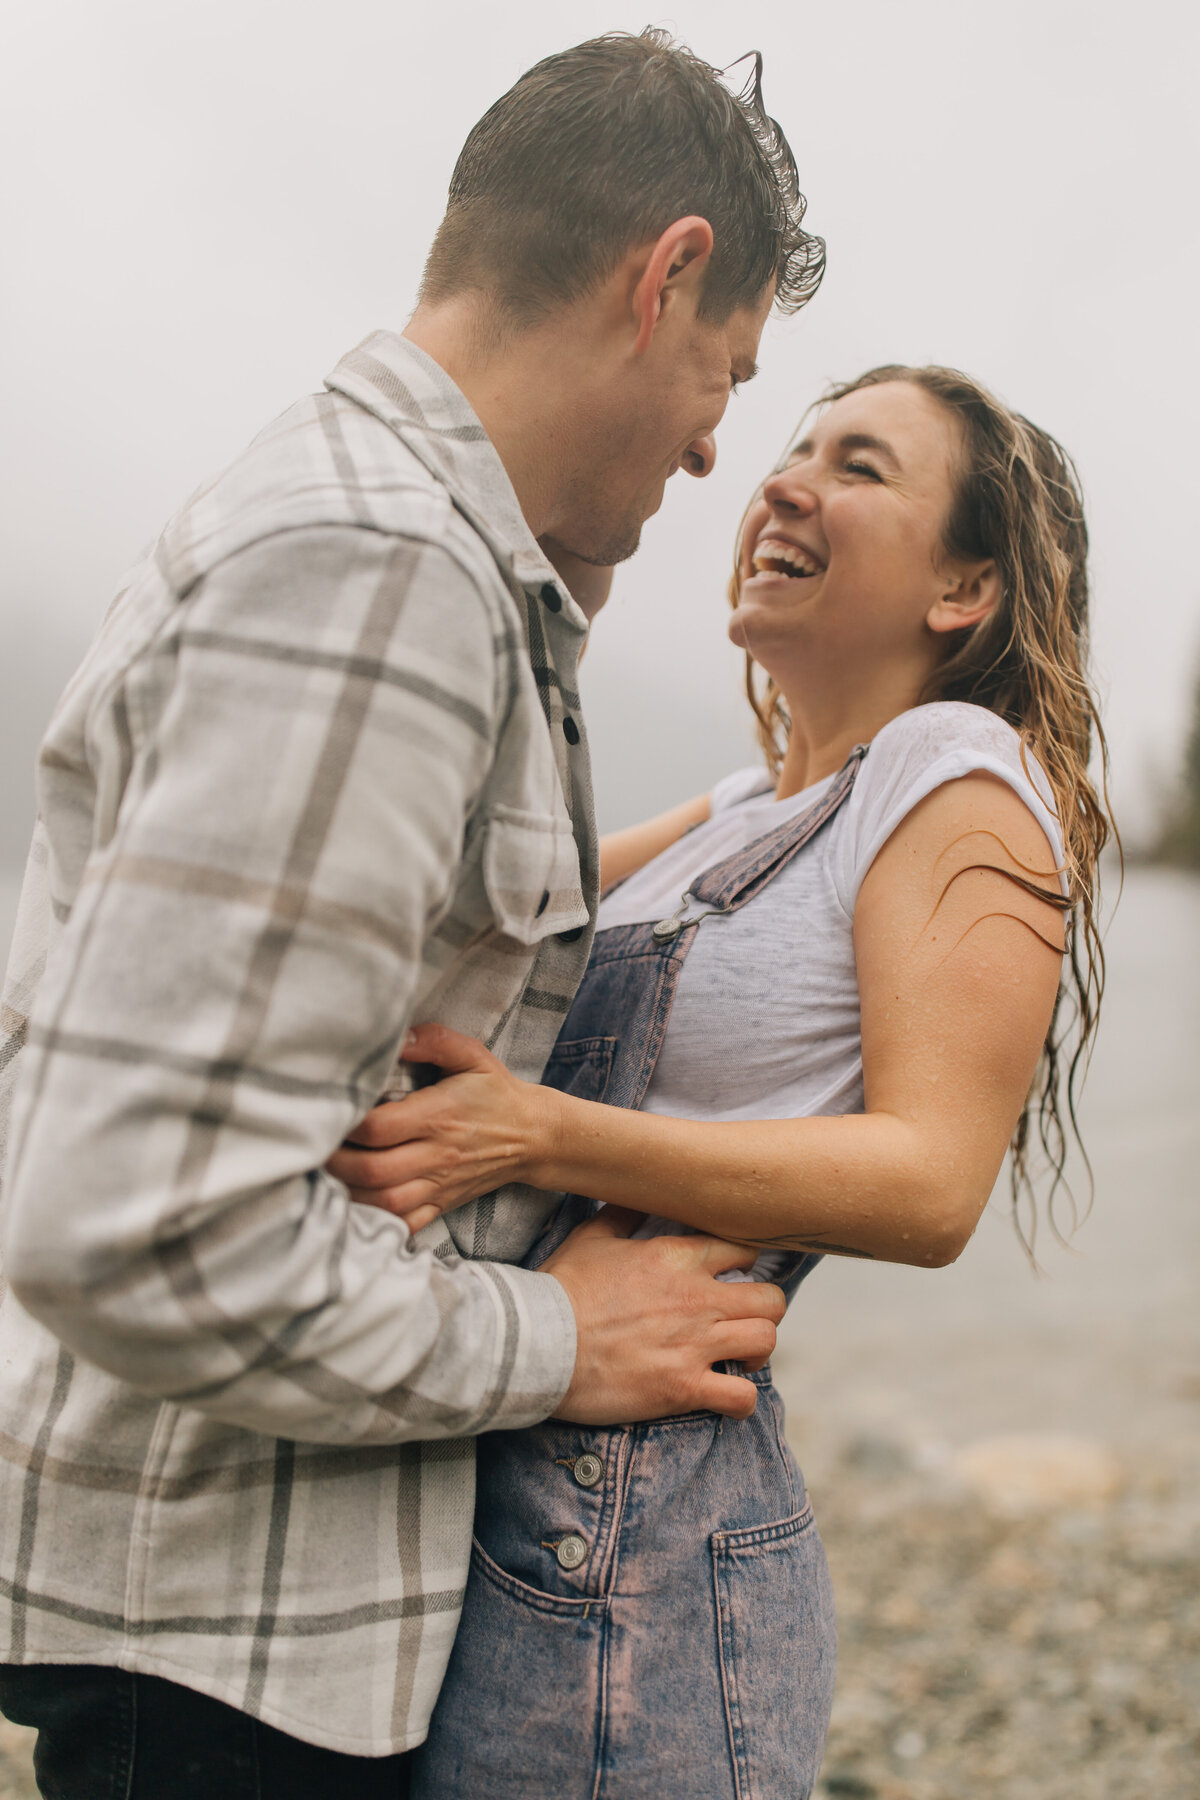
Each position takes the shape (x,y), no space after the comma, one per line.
(598,150)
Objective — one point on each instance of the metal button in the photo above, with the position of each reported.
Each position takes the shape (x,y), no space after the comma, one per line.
(666,928)
(572,1551)
(588,1469)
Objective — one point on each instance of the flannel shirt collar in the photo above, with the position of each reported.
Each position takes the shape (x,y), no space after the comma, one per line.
(415,398)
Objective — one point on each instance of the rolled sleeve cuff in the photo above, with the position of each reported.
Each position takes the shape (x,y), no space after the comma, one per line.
(536,1346)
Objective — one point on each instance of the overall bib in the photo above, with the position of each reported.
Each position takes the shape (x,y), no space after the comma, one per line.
(649,1613)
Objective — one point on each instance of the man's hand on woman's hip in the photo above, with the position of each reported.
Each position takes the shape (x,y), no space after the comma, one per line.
(652,1320)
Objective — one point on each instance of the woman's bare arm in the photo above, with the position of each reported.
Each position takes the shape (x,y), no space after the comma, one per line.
(958,969)
(623,852)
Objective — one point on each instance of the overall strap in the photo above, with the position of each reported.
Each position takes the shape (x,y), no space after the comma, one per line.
(609,1044)
(728,885)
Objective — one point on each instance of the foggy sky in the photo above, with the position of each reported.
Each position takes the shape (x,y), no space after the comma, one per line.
(206,206)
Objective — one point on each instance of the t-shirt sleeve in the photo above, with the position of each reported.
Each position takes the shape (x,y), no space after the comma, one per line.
(919,752)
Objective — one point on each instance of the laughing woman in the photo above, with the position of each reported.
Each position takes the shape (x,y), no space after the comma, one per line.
(822,1003)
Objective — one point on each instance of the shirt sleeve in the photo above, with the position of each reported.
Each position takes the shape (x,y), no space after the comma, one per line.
(743,784)
(920,751)
(299,754)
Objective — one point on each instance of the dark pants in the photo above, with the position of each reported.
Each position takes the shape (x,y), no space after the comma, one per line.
(106,1734)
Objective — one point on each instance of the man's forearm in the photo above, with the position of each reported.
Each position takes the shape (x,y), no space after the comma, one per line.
(403,1347)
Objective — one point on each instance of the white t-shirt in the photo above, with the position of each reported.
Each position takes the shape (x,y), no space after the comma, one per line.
(765,1021)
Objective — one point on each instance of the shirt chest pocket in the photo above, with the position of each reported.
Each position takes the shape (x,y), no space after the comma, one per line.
(532,876)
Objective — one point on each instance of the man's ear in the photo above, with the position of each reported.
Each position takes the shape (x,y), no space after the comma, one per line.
(970,593)
(675,264)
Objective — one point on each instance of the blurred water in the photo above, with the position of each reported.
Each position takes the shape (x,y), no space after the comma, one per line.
(1106,1342)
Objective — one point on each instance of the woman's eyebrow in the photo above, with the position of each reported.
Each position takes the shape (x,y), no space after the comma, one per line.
(852,440)
(863,440)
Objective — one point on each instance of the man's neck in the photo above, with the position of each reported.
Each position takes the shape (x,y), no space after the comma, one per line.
(514,384)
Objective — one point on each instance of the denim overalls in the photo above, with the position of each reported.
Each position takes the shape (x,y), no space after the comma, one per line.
(649,1614)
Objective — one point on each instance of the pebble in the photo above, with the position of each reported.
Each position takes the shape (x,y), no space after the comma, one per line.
(1026,1663)
(1030,1471)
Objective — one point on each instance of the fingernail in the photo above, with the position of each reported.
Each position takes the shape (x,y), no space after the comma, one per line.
(410,1039)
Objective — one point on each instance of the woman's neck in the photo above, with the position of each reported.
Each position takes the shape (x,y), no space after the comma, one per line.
(825,728)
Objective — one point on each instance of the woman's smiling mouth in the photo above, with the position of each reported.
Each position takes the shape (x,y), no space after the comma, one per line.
(775,556)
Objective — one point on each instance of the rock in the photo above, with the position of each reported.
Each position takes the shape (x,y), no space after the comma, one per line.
(1076,1616)
(1031,1471)
(1009,1571)
(870,1453)
(1116,1680)
(902,1612)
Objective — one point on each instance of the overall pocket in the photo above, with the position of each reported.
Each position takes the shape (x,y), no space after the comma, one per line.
(778,1649)
(582,1067)
(518,1715)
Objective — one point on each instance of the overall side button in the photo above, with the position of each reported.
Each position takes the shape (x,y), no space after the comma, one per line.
(572,1551)
(588,1469)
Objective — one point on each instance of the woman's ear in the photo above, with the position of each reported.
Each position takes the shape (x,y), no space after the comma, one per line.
(971,593)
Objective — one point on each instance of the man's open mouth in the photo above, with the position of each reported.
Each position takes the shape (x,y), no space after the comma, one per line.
(772,556)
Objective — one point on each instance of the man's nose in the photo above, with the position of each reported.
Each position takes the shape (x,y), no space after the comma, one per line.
(700,455)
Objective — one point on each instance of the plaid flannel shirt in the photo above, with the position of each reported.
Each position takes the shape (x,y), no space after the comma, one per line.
(320,776)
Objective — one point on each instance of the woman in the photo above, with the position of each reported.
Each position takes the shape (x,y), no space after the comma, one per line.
(821,1004)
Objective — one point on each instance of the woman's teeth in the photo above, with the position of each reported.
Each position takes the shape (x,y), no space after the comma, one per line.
(774,557)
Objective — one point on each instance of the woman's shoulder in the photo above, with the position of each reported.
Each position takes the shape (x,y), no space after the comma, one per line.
(946,738)
(918,752)
(925,733)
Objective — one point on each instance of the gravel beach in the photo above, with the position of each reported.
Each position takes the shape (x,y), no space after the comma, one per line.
(1006,1467)
(1048,1657)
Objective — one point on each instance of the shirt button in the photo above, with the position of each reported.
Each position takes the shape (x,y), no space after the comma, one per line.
(543,903)
(570,730)
(551,597)
(588,1469)
(571,937)
(572,1551)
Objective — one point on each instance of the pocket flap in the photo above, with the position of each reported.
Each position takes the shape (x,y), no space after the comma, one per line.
(531,870)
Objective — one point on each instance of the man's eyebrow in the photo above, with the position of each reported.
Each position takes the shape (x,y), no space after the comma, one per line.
(851,440)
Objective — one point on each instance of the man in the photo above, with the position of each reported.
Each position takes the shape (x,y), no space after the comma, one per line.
(323,774)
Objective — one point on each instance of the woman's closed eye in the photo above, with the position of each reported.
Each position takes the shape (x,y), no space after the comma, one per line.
(854,467)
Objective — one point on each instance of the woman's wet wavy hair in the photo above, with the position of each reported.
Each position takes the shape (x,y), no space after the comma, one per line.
(599,149)
(1018,502)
